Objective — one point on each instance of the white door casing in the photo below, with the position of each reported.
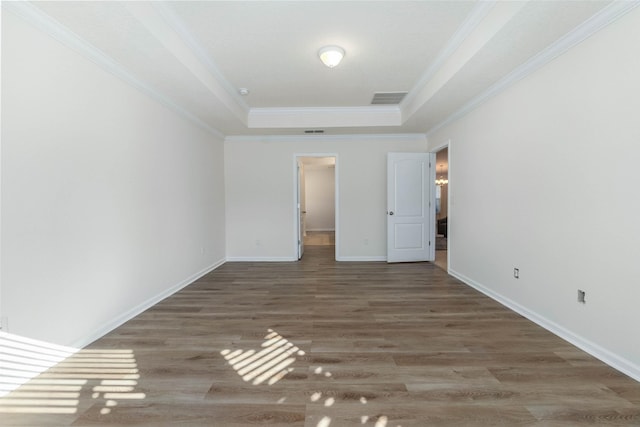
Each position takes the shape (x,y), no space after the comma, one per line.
(299,205)
(410,207)
(300,209)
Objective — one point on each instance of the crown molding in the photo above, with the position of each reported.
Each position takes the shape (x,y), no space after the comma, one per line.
(604,17)
(477,14)
(222,88)
(320,117)
(45,23)
(326,138)
(488,22)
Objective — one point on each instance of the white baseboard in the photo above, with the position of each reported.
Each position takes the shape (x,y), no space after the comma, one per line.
(621,364)
(361,258)
(133,312)
(260,259)
(290,259)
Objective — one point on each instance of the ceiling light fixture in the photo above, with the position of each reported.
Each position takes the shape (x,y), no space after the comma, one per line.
(331,55)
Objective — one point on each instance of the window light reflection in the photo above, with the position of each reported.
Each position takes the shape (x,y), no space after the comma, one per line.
(269,365)
(42,378)
(380,421)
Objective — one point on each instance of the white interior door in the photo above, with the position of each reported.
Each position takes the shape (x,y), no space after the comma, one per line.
(301,209)
(410,208)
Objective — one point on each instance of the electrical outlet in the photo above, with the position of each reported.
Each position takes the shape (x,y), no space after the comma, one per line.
(516,273)
(581,296)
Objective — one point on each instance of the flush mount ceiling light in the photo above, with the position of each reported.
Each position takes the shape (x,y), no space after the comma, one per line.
(331,55)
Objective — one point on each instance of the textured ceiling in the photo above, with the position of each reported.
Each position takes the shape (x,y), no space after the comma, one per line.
(198,54)
(271,47)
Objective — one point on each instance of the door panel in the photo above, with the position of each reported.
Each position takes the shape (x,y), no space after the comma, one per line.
(410,211)
(409,236)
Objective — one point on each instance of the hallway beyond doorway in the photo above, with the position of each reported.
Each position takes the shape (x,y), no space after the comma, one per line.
(320,238)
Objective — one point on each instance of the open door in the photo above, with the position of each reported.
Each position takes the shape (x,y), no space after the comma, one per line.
(410,207)
(300,209)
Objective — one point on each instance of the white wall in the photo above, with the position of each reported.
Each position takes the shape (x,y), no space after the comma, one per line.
(259,179)
(320,198)
(544,177)
(109,200)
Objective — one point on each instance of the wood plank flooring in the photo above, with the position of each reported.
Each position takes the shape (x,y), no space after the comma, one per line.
(317,343)
(320,238)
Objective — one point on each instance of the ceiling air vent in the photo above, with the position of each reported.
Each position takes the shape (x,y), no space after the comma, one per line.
(314,131)
(392,98)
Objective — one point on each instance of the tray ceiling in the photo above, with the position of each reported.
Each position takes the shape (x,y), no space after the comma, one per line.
(447,55)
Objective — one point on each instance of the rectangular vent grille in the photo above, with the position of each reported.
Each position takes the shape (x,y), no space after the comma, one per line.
(388,97)
(312,131)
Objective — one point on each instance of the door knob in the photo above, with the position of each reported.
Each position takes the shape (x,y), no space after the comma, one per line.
(390,212)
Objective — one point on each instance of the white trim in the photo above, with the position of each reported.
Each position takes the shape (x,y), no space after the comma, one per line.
(479,12)
(381,258)
(45,23)
(440,147)
(261,259)
(145,305)
(321,117)
(323,138)
(336,203)
(450,186)
(190,53)
(298,223)
(604,17)
(621,364)
(325,110)
(336,212)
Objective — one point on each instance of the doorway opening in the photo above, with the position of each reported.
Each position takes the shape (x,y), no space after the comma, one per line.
(442,208)
(316,204)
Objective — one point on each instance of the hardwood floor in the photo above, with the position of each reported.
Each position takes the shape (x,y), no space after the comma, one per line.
(317,343)
(320,238)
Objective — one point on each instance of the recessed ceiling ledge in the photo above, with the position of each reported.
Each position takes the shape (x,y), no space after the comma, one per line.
(322,117)
(167,28)
(459,53)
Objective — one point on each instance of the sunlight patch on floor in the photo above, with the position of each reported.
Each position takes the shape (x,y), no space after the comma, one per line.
(43,378)
(269,365)
(380,421)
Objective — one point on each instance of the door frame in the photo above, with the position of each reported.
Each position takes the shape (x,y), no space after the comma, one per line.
(296,183)
(447,144)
